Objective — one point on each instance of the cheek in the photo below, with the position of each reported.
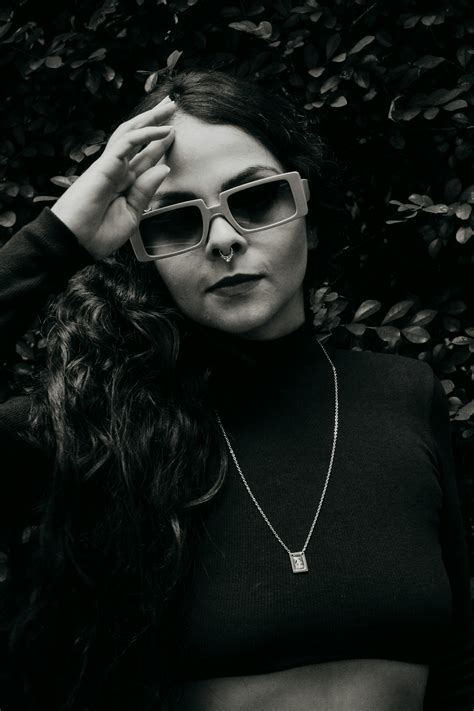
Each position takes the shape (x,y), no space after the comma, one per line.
(181,277)
(293,253)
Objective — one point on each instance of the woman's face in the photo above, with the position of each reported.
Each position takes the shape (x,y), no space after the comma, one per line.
(204,159)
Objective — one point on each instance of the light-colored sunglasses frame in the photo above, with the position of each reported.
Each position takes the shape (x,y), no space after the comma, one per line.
(299,188)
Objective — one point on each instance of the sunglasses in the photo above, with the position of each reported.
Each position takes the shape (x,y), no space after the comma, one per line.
(252,207)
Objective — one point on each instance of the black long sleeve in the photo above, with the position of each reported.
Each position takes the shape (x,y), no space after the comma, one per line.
(35,263)
(451,681)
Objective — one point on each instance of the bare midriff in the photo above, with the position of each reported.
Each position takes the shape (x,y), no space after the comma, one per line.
(348,685)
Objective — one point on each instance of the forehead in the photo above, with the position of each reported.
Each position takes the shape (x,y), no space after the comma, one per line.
(205,155)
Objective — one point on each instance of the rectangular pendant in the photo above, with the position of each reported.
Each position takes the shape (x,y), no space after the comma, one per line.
(298,562)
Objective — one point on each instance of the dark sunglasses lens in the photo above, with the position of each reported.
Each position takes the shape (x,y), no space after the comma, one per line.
(171,231)
(262,205)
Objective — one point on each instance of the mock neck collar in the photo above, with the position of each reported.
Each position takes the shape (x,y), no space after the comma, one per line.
(222,352)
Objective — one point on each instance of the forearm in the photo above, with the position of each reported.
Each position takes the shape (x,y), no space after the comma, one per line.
(36,262)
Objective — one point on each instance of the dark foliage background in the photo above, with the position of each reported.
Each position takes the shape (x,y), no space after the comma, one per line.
(390,86)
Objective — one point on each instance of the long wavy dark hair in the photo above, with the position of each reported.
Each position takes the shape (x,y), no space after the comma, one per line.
(124,412)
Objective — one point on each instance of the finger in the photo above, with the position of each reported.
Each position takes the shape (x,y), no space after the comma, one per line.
(153,117)
(143,189)
(133,141)
(150,155)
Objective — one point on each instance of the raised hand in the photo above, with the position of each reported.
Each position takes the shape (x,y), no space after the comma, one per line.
(104,205)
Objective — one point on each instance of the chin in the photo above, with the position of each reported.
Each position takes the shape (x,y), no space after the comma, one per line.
(265,327)
(244,325)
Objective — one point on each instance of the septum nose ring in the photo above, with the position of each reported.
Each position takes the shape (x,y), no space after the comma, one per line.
(227,257)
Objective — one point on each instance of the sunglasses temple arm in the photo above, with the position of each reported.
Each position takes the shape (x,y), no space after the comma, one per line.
(306,189)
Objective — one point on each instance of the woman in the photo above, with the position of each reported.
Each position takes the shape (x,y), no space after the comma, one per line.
(231,514)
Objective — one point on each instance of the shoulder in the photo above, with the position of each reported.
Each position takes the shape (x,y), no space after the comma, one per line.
(387,375)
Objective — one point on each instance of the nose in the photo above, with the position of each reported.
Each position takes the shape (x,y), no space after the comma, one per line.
(222,237)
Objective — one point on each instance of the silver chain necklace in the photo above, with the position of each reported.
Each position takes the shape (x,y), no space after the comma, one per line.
(297,558)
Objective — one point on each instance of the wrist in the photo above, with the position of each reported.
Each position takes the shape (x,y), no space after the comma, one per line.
(69,217)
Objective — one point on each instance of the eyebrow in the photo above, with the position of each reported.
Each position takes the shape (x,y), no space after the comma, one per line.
(245,176)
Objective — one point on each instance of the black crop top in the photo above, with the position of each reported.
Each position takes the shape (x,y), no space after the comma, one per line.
(387,566)
(384,577)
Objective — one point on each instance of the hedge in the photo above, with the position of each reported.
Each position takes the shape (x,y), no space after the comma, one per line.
(390,87)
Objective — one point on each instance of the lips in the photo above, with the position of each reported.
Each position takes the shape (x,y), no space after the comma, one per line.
(234,281)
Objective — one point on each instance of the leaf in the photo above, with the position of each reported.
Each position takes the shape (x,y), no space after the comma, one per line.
(92,80)
(272,69)
(388,333)
(439,209)
(468,194)
(452,189)
(53,62)
(98,55)
(340,101)
(24,351)
(423,200)
(27,191)
(423,317)
(362,79)
(45,198)
(263,30)
(463,55)
(90,150)
(434,247)
(464,234)
(451,324)
(416,334)
(393,109)
(448,386)
(357,329)
(454,308)
(442,96)
(398,310)
(364,42)
(317,71)
(340,57)
(429,61)
(151,82)
(63,181)
(4,29)
(455,105)
(7,219)
(465,412)
(107,72)
(410,22)
(431,113)
(462,341)
(332,44)
(463,211)
(366,309)
(173,59)
(330,83)
(410,208)
(409,114)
